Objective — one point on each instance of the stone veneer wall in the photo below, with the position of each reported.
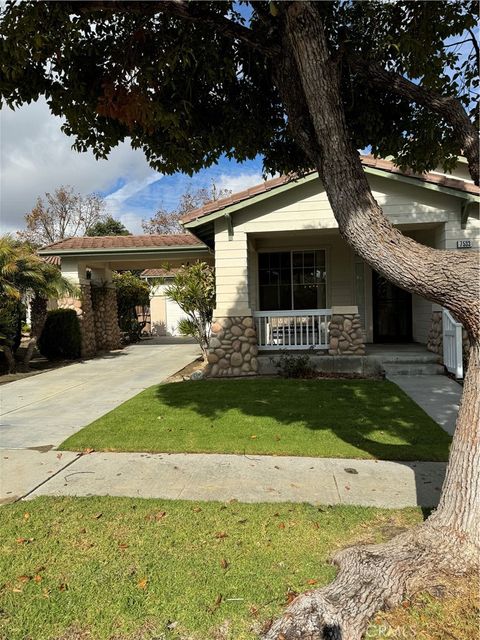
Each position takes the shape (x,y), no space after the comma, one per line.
(83,307)
(233,347)
(346,335)
(104,305)
(435,335)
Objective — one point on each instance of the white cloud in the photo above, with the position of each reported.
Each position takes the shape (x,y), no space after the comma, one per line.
(240,181)
(37,157)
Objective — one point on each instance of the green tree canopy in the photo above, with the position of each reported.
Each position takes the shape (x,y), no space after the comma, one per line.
(108,227)
(188,82)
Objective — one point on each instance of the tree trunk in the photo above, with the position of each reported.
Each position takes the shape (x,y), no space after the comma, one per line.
(39,316)
(10,358)
(376,577)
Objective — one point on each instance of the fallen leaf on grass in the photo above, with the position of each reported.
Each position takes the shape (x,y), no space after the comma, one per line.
(122,546)
(17,590)
(26,515)
(312,581)
(63,586)
(24,578)
(98,515)
(281,525)
(224,563)
(142,584)
(290,596)
(37,578)
(253,437)
(221,534)
(216,604)
(24,540)
(87,451)
(197,509)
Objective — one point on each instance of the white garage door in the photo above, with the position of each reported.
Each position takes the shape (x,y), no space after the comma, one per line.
(174,315)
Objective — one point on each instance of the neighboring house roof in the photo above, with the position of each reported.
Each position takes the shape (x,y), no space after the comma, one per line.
(123,242)
(453,185)
(55,260)
(158,273)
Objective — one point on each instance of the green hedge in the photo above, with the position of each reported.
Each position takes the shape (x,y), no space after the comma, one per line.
(61,338)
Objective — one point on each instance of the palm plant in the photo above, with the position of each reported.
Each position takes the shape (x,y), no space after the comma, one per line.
(23,273)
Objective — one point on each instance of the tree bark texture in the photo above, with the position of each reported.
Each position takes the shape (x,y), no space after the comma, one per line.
(378,577)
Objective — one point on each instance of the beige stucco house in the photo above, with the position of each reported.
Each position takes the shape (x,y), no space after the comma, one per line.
(285,279)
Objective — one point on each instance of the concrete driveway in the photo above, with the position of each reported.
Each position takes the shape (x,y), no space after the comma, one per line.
(40,412)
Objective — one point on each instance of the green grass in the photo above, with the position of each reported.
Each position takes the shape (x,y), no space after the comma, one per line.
(325,418)
(97,568)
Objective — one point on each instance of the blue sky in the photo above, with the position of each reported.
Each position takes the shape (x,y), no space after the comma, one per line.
(36,157)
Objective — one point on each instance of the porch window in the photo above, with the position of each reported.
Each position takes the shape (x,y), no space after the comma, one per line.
(292,280)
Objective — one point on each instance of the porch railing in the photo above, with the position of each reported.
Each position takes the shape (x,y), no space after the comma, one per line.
(452,344)
(294,330)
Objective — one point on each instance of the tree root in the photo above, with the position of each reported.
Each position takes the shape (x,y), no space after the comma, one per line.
(373,578)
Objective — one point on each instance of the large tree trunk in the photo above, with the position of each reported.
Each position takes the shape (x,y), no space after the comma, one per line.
(377,577)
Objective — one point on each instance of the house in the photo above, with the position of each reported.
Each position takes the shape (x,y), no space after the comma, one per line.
(285,279)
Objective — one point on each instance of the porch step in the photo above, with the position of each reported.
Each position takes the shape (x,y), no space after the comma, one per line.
(412,369)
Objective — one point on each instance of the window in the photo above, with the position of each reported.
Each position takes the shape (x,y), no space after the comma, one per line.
(292,280)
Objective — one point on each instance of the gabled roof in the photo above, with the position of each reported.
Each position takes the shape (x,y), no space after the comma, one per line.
(454,186)
(122,242)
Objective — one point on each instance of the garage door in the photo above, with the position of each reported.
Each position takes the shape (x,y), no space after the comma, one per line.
(174,315)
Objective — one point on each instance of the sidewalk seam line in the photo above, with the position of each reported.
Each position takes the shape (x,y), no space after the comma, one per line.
(80,455)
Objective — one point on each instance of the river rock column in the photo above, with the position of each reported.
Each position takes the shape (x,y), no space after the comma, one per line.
(345,332)
(233,347)
(104,304)
(83,307)
(435,334)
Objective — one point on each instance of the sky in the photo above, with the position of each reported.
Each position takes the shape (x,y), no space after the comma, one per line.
(36,157)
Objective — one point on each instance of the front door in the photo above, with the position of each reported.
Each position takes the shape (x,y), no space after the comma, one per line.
(392,311)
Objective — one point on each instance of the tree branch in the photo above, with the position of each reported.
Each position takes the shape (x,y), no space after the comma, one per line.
(190,12)
(448,107)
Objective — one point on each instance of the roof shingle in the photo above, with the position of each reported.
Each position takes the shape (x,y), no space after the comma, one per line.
(124,242)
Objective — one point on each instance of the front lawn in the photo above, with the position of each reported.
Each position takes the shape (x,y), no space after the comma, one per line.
(101,568)
(126,569)
(324,418)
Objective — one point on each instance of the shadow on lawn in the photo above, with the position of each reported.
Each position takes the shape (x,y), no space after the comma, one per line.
(358,413)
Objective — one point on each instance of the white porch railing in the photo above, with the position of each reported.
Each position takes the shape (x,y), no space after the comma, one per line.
(303,329)
(452,344)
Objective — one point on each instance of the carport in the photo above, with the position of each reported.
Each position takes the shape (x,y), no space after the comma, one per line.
(88,262)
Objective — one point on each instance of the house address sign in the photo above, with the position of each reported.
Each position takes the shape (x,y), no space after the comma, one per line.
(464,244)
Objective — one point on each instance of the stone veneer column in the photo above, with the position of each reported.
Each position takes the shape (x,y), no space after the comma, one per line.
(435,334)
(83,307)
(104,304)
(345,332)
(233,347)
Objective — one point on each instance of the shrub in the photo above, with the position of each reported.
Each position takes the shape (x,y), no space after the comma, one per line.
(61,338)
(132,292)
(290,365)
(193,289)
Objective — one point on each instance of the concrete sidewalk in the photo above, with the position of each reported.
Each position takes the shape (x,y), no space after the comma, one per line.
(250,479)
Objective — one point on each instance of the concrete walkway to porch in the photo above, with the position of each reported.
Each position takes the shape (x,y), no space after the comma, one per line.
(439,396)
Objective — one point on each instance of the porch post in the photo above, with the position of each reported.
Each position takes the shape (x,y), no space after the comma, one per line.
(233,345)
(345,331)
(76,273)
(104,305)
